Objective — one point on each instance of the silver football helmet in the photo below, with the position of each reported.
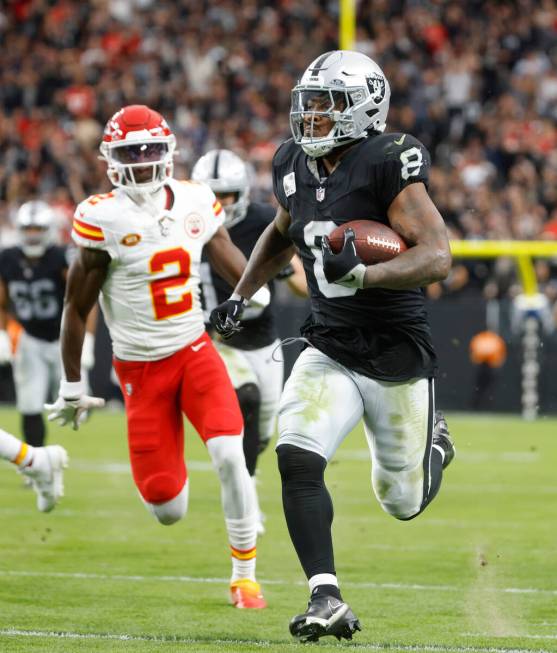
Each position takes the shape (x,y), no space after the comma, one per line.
(225,172)
(343,86)
(35,222)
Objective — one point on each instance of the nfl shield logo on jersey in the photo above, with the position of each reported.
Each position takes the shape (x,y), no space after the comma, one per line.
(320,194)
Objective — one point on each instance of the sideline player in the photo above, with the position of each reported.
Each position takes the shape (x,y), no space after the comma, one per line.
(369,352)
(140,248)
(256,375)
(32,284)
(43,466)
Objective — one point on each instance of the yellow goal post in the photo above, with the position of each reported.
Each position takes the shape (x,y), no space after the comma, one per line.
(523,251)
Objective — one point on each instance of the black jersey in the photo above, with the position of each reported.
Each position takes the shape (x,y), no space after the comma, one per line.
(381,333)
(260,331)
(36,289)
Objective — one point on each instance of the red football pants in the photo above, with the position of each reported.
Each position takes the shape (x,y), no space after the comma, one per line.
(194,381)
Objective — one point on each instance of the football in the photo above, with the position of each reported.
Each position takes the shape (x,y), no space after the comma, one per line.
(375,242)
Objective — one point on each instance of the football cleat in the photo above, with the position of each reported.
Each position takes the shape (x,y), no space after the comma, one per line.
(442,438)
(46,475)
(246,594)
(326,615)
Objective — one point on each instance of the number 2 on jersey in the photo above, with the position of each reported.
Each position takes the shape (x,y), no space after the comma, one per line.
(160,287)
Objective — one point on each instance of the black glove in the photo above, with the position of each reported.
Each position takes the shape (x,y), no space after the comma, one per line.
(225,318)
(345,268)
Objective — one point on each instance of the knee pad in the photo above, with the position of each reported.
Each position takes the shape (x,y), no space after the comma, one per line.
(249,397)
(159,488)
(169,512)
(295,464)
(401,507)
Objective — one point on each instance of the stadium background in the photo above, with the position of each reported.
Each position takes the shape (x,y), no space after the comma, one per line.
(475,81)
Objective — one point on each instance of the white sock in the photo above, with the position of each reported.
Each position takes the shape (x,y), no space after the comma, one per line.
(322,579)
(14,450)
(238,502)
(242,536)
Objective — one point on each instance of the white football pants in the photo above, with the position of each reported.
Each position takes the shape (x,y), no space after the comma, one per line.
(37,367)
(257,366)
(323,401)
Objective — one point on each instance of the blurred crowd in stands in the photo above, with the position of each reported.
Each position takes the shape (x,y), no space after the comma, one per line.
(475,81)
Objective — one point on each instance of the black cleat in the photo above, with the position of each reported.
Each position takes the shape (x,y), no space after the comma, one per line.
(325,615)
(442,438)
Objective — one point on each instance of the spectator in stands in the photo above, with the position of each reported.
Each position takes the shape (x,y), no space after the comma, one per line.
(481,81)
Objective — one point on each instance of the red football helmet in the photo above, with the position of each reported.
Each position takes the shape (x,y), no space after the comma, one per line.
(138,147)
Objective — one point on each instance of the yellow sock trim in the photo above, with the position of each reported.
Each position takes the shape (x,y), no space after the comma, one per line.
(22,454)
(240,554)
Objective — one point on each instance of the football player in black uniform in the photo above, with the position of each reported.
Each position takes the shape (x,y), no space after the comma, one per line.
(256,375)
(32,284)
(369,352)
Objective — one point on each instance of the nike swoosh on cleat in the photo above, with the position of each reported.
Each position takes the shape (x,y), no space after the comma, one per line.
(198,347)
(350,279)
(400,141)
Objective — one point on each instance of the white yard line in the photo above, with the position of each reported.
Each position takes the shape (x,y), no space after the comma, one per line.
(267,581)
(434,648)
(508,636)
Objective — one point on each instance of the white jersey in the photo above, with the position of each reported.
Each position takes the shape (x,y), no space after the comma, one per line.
(150,298)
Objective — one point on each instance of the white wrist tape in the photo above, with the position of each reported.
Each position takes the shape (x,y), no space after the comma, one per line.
(71,389)
(262,297)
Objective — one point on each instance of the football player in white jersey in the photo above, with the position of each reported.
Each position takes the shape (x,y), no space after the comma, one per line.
(140,249)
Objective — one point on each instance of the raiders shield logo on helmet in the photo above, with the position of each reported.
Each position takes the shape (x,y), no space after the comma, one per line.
(376,85)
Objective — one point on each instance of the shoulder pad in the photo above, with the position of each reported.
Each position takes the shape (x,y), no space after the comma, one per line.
(199,188)
(286,152)
(96,207)
(393,144)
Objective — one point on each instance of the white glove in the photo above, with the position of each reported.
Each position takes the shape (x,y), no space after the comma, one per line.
(88,352)
(72,404)
(6,355)
(257,304)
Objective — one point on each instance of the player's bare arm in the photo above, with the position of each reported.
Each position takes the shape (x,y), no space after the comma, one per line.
(85,279)
(226,259)
(271,253)
(413,215)
(297,282)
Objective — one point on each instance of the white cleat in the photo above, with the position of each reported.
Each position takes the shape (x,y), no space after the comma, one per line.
(47,476)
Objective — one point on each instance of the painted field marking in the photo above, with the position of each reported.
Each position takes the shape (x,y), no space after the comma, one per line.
(173,639)
(195,579)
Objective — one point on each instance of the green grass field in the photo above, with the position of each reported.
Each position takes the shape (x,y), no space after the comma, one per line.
(476,572)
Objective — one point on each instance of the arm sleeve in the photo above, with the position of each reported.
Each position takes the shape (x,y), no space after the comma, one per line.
(407,163)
